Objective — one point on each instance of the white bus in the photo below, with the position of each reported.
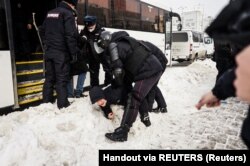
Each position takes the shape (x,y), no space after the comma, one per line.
(21,58)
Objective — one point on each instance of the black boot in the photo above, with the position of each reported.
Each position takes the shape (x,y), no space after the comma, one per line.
(159,109)
(120,134)
(145,120)
(163,110)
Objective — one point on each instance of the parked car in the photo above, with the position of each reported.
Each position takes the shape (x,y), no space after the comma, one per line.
(188,45)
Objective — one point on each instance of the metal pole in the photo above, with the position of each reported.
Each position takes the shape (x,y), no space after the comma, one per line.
(170,43)
(40,40)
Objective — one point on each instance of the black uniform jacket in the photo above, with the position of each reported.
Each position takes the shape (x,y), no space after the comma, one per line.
(149,67)
(58,30)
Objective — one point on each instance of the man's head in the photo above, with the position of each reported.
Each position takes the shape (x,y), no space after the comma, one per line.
(105,39)
(97,96)
(90,22)
(72,2)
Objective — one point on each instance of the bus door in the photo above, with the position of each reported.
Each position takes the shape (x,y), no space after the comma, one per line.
(27,47)
(6,79)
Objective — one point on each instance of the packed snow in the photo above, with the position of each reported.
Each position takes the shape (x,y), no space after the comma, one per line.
(44,135)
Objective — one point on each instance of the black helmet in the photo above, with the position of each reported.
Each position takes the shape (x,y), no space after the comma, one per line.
(105,39)
(73,2)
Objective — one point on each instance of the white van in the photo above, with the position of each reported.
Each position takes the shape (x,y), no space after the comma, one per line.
(209,44)
(188,45)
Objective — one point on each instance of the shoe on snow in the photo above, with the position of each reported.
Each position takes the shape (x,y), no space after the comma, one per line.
(163,110)
(155,110)
(119,135)
(146,121)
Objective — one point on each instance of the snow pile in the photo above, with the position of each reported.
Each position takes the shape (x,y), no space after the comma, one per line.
(47,136)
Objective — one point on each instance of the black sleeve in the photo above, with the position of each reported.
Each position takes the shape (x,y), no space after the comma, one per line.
(71,33)
(224,87)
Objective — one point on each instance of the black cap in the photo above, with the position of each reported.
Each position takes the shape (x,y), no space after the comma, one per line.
(89,20)
(96,93)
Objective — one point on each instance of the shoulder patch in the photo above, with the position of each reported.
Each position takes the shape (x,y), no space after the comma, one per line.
(52,15)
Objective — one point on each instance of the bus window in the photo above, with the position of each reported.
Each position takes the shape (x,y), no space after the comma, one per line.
(100,9)
(180,37)
(161,21)
(81,11)
(149,18)
(3,29)
(126,14)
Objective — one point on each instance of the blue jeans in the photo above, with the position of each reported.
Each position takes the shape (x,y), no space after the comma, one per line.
(79,86)
(80,82)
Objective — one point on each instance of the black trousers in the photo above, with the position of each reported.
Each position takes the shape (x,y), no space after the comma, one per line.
(156,95)
(57,76)
(94,67)
(139,93)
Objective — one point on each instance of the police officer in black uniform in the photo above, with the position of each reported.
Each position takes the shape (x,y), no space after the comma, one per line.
(131,59)
(155,93)
(91,34)
(60,38)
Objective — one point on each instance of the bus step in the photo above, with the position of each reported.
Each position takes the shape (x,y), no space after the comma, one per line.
(29,72)
(37,53)
(29,62)
(30,90)
(27,99)
(30,98)
(29,56)
(29,65)
(30,83)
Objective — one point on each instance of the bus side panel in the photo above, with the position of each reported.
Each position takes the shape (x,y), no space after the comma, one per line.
(6,81)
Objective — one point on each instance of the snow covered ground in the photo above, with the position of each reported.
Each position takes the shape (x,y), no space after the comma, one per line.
(44,135)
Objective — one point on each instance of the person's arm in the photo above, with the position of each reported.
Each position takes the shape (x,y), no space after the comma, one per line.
(71,34)
(116,63)
(223,89)
(224,86)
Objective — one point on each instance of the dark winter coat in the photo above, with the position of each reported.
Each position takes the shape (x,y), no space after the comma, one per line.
(57,30)
(149,67)
(158,53)
(113,95)
(223,58)
(81,65)
(224,87)
(91,38)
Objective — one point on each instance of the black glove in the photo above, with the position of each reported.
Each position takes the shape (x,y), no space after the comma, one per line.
(118,74)
(73,58)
